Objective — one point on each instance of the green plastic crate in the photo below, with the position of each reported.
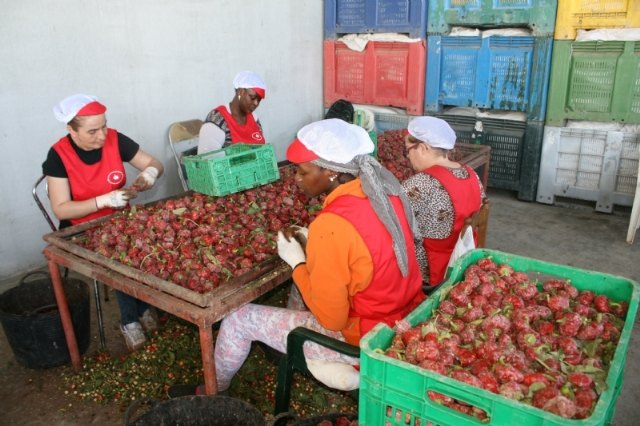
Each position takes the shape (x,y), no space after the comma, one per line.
(595,81)
(538,15)
(232,169)
(394,392)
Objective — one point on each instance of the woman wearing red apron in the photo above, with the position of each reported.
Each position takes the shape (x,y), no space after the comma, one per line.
(86,180)
(235,123)
(442,195)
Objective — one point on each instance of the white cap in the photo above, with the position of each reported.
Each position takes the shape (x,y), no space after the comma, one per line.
(249,80)
(432,131)
(335,140)
(69,107)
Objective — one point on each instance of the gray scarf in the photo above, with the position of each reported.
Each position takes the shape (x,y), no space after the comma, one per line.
(378,183)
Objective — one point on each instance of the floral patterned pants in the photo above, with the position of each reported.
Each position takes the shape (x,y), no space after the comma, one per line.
(270,325)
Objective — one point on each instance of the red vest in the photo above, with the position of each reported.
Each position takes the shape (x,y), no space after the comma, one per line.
(90,180)
(465,197)
(250,132)
(390,296)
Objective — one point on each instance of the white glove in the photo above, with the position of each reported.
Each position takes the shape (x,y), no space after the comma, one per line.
(146,179)
(114,199)
(290,251)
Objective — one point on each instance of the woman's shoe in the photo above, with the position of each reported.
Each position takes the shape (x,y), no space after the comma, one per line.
(133,335)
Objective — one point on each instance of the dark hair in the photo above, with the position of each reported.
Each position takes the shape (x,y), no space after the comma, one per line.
(75,123)
(341,109)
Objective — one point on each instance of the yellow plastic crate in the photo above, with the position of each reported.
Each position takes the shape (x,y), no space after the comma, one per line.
(594,14)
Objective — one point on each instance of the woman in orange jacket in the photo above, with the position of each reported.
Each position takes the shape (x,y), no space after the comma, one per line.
(359,267)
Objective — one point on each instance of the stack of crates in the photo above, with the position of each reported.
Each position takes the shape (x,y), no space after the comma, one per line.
(496,72)
(386,73)
(589,150)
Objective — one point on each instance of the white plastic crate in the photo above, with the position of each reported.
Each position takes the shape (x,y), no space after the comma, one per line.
(589,164)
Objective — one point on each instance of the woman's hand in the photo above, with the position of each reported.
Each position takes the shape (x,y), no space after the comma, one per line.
(290,250)
(115,199)
(300,233)
(145,179)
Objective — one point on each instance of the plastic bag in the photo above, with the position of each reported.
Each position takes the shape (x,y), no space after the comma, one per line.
(464,244)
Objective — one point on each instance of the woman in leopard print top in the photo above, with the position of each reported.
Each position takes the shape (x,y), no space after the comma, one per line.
(442,195)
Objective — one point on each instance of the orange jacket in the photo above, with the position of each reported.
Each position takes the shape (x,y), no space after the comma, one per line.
(339,265)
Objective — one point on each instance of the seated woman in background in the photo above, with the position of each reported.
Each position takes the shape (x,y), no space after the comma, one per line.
(235,123)
(442,195)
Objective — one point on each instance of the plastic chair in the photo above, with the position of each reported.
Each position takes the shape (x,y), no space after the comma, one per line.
(183,140)
(96,287)
(294,359)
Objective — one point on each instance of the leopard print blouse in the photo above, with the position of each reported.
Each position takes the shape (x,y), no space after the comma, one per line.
(433,208)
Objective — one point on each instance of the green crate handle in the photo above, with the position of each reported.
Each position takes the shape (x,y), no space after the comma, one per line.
(462,392)
(241,158)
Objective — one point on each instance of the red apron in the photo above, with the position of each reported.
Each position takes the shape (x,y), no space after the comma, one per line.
(390,296)
(250,132)
(90,180)
(465,197)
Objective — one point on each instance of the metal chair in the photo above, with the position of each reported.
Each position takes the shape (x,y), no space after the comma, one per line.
(183,140)
(96,286)
(295,359)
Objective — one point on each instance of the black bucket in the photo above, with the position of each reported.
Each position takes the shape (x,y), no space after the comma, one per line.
(197,411)
(31,320)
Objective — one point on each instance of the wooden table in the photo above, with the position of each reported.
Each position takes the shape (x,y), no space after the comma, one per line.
(153,290)
(478,158)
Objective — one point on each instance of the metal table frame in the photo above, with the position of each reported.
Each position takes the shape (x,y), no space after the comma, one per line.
(203,317)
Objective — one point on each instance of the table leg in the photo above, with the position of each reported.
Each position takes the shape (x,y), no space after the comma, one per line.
(65,315)
(208,362)
(485,173)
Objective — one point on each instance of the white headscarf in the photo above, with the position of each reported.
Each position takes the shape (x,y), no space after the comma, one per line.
(432,131)
(69,107)
(345,148)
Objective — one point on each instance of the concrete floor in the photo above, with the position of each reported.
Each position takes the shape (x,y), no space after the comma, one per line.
(569,233)
(572,233)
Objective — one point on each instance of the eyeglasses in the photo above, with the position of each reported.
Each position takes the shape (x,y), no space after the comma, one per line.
(407,149)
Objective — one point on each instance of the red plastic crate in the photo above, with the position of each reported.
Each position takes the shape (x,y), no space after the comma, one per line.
(385,74)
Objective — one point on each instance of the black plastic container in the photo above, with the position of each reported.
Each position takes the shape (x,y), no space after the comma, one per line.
(31,320)
(195,411)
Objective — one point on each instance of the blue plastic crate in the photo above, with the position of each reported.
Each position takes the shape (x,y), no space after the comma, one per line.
(386,122)
(497,72)
(375,16)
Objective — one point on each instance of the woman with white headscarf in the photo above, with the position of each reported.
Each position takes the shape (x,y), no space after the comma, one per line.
(235,122)
(442,195)
(358,267)
(86,180)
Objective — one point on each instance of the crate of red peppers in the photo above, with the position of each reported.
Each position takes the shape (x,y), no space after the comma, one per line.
(507,340)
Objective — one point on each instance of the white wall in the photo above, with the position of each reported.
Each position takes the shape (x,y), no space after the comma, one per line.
(151,63)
